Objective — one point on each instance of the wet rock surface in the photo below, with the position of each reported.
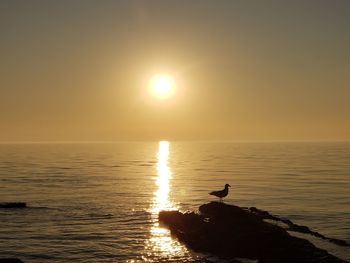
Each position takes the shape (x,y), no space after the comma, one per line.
(231,232)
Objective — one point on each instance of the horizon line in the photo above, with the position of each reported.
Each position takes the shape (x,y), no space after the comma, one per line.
(174,140)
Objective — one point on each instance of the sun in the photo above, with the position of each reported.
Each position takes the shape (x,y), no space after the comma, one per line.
(162,86)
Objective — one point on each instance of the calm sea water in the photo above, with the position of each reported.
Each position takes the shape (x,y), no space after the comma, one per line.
(99,202)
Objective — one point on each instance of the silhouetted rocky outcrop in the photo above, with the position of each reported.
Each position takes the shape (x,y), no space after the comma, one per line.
(13,205)
(297,228)
(10,260)
(230,231)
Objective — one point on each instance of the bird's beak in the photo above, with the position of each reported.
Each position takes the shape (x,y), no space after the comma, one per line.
(229,185)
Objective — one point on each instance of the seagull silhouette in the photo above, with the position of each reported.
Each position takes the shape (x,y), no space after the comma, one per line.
(222,193)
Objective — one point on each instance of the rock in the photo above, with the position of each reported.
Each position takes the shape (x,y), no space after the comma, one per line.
(10,260)
(13,205)
(230,232)
(297,228)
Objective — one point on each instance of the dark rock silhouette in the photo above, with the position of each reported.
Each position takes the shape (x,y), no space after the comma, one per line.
(13,205)
(230,231)
(10,260)
(297,228)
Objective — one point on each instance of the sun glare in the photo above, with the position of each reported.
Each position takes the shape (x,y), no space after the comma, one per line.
(162,86)
(160,241)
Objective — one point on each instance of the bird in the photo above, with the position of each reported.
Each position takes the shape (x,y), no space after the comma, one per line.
(222,193)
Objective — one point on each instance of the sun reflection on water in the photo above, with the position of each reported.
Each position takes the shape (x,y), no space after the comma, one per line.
(161,244)
(161,196)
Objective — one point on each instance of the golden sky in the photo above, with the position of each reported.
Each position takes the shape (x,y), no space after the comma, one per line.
(244,70)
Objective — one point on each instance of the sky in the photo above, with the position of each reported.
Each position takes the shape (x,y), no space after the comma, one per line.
(244,70)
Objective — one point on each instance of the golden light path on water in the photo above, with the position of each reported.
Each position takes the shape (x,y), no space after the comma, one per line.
(160,243)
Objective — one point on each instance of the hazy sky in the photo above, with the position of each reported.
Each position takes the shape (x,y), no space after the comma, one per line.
(244,70)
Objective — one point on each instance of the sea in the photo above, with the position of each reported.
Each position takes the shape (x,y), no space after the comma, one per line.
(98,202)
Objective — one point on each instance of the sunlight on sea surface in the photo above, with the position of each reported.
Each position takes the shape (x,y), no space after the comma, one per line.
(160,241)
(161,196)
(99,202)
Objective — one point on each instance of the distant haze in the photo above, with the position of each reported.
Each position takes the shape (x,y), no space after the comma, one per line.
(244,70)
